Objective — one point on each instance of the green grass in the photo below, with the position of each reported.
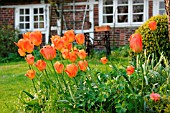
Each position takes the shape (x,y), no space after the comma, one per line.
(13,81)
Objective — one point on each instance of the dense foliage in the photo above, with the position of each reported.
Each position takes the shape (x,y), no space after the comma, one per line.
(155,41)
(8,50)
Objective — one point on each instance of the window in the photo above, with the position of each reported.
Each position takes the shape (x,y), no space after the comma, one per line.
(159,7)
(29,18)
(122,12)
(33,17)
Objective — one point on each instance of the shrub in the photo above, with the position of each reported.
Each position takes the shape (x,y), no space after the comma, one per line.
(153,41)
(8,51)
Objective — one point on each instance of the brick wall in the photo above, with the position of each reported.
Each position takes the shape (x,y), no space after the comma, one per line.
(7,16)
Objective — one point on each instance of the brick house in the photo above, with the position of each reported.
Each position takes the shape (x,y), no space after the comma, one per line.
(124,16)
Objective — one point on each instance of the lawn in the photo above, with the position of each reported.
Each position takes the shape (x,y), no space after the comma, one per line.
(13,81)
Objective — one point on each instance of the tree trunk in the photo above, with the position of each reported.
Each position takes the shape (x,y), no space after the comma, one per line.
(167,8)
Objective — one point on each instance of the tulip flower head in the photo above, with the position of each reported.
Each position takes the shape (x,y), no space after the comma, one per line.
(71,70)
(70,35)
(152,25)
(36,37)
(48,52)
(83,65)
(41,65)
(59,67)
(82,54)
(72,56)
(104,60)
(155,96)
(30,74)
(25,45)
(30,59)
(21,52)
(80,38)
(130,70)
(136,43)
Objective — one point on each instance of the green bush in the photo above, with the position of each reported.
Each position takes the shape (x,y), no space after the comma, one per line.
(8,50)
(153,41)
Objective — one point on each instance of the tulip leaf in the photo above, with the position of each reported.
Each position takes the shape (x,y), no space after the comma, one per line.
(146,80)
(31,96)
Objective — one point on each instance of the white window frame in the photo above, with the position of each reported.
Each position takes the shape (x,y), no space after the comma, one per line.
(130,15)
(44,30)
(156,6)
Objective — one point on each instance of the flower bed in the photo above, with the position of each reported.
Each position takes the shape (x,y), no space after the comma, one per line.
(63,81)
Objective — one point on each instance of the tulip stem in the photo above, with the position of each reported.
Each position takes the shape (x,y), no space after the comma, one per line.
(56,75)
(34,85)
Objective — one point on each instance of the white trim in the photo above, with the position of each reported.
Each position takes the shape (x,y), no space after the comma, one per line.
(156,6)
(130,22)
(46,20)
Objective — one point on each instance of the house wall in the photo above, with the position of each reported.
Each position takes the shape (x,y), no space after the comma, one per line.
(118,35)
(7,16)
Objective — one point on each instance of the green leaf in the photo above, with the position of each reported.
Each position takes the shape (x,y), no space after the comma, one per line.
(31,96)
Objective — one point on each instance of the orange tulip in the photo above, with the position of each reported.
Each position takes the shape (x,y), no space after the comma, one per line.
(72,56)
(82,54)
(66,40)
(75,50)
(71,70)
(30,74)
(25,45)
(155,96)
(136,43)
(80,38)
(21,53)
(83,65)
(130,70)
(48,52)
(152,25)
(30,59)
(26,35)
(54,37)
(59,67)
(104,60)
(41,65)
(70,34)
(69,46)
(36,37)
(58,43)
(65,53)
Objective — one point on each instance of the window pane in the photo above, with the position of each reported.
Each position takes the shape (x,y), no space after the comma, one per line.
(108,10)
(137,8)
(21,11)
(108,19)
(138,18)
(108,2)
(27,25)
(41,24)
(21,19)
(122,18)
(35,11)
(41,11)
(27,11)
(161,12)
(21,26)
(122,1)
(35,25)
(35,18)
(138,1)
(162,5)
(27,18)
(41,17)
(122,9)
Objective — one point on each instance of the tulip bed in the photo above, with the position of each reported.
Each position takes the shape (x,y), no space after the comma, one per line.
(64,80)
